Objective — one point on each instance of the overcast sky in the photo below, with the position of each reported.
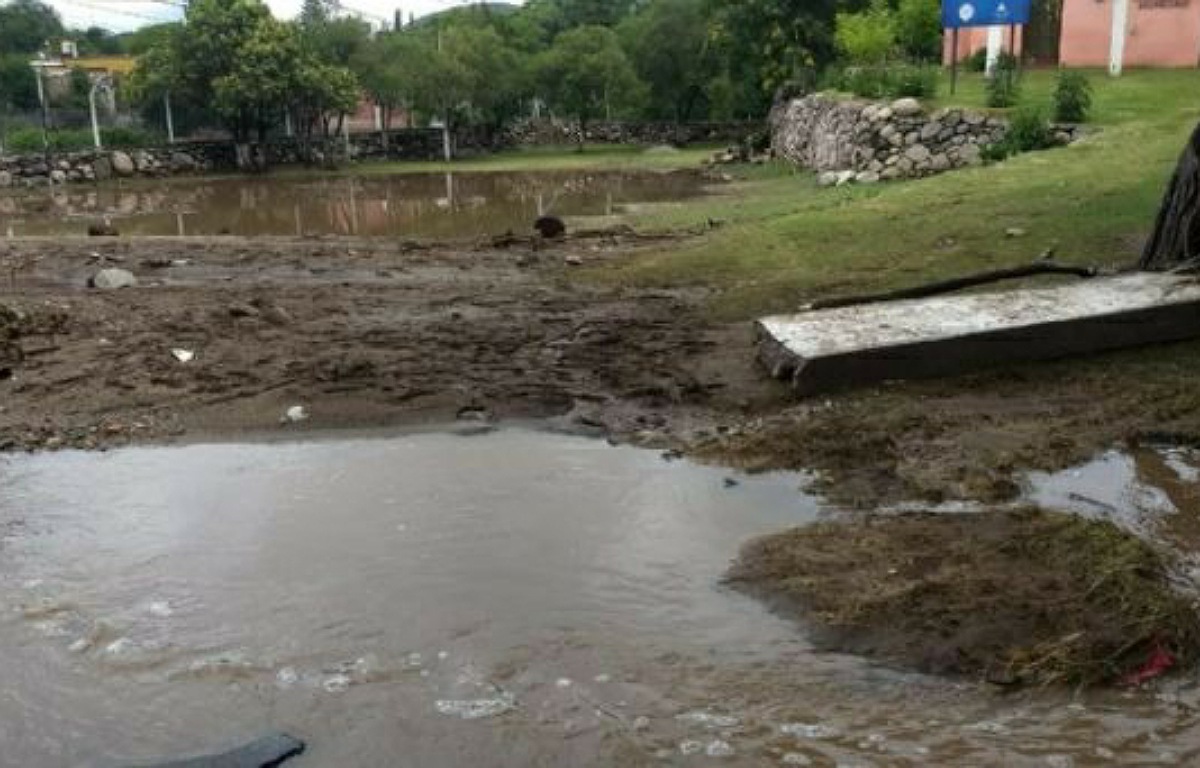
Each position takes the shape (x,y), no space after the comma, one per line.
(123,15)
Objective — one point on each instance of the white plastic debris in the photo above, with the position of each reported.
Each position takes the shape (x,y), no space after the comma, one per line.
(295,414)
(795,758)
(476,709)
(691,747)
(336,683)
(286,677)
(563,682)
(718,748)
(602,678)
(808,730)
(160,609)
(708,720)
(183,355)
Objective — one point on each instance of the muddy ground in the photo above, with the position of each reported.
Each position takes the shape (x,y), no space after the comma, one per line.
(386,333)
(371,333)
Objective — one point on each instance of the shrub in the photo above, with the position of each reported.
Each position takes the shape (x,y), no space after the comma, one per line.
(1004,86)
(1072,97)
(885,82)
(1029,130)
(24,140)
(976,62)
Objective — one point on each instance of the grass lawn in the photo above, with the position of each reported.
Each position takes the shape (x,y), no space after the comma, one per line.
(594,157)
(787,241)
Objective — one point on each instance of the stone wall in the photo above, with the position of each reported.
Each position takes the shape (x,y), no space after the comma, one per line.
(865,141)
(403,144)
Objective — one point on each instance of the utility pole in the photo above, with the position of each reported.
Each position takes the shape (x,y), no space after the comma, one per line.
(170,119)
(41,91)
(101,84)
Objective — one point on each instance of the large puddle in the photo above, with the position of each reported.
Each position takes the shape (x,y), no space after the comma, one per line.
(510,599)
(441,205)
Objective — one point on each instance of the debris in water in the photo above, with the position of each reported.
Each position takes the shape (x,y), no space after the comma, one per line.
(602,678)
(641,723)
(795,758)
(1159,662)
(339,683)
(1060,761)
(563,682)
(80,645)
(718,748)
(183,355)
(809,730)
(118,646)
(690,747)
(476,709)
(286,677)
(708,720)
(295,414)
(160,608)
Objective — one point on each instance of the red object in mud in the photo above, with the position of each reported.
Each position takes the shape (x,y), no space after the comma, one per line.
(1159,662)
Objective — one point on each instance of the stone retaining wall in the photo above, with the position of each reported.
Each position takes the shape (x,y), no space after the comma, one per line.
(871,141)
(404,144)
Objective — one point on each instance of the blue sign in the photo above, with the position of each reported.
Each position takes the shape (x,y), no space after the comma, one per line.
(984,13)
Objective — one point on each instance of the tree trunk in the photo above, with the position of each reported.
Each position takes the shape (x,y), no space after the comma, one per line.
(447,149)
(1176,236)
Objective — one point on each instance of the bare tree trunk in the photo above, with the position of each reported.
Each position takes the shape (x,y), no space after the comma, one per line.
(447,149)
(1176,236)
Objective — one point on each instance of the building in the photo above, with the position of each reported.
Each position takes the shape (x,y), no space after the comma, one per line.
(1098,33)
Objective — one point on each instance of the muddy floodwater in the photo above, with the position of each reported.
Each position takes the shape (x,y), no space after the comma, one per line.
(515,598)
(437,205)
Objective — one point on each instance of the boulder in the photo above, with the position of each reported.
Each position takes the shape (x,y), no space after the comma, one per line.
(917,153)
(867,177)
(930,131)
(102,168)
(58,176)
(6,179)
(182,161)
(122,164)
(827,179)
(845,177)
(112,279)
(906,107)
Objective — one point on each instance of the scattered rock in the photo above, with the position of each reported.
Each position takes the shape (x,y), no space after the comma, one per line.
(242,309)
(102,169)
(112,279)
(6,179)
(573,260)
(906,107)
(294,415)
(122,164)
(58,176)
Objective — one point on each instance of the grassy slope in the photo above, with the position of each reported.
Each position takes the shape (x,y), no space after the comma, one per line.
(1093,202)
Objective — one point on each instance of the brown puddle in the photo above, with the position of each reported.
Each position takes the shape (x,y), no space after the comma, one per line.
(438,205)
(511,599)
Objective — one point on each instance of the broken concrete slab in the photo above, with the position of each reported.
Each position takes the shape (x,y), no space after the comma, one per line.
(269,751)
(850,346)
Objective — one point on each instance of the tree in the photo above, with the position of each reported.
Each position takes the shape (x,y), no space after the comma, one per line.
(586,73)
(441,84)
(18,84)
(385,66)
(919,29)
(668,41)
(868,37)
(495,75)
(26,25)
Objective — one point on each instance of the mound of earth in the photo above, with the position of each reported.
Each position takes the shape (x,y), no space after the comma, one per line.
(1022,596)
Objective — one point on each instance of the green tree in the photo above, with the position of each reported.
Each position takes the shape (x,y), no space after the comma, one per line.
(18,84)
(868,37)
(586,74)
(919,29)
(385,67)
(669,43)
(26,25)
(495,76)
(441,85)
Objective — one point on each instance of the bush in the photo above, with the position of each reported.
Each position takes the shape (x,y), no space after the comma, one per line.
(1028,131)
(1004,86)
(976,62)
(1072,97)
(885,82)
(30,139)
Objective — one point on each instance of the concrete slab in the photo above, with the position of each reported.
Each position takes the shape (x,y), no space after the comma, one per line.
(837,348)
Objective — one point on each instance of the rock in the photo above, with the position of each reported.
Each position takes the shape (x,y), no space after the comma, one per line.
(102,229)
(905,166)
(122,164)
(6,179)
(142,161)
(242,309)
(917,153)
(887,131)
(974,118)
(906,107)
(181,161)
(550,227)
(970,154)
(867,177)
(885,114)
(827,179)
(889,173)
(930,131)
(112,279)
(58,176)
(844,177)
(911,138)
(939,162)
(102,168)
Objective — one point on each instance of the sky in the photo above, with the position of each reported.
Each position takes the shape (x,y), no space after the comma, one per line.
(124,15)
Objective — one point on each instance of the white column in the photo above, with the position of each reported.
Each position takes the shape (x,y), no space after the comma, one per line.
(995,44)
(1116,48)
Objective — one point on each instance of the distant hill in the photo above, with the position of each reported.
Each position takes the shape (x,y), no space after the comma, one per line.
(494,8)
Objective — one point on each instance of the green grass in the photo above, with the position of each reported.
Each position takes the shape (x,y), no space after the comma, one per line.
(594,157)
(786,241)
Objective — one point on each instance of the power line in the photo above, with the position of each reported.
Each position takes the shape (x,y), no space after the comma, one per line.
(96,6)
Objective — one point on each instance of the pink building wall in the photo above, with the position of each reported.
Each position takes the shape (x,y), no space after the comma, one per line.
(971,39)
(1159,33)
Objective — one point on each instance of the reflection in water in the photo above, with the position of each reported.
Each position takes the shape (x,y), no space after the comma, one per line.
(513,599)
(421,205)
